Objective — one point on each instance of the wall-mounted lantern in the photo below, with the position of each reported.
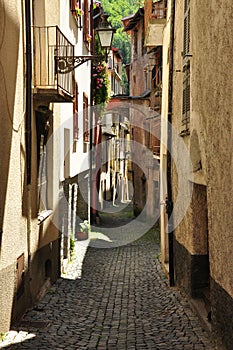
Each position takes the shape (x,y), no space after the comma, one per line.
(66,64)
(105,33)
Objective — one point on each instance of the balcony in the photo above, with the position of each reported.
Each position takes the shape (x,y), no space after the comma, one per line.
(155,20)
(50,84)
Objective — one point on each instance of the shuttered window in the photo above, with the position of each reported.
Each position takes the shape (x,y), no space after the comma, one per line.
(135,44)
(186,47)
(85,122)
(186,69)
(75,114)
(159,9)
(186,98)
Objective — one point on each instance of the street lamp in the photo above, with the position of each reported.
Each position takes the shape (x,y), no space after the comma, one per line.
(65,63)
(105,33)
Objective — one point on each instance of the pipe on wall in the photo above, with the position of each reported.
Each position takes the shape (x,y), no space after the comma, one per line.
(169,204)
(28,89)
(28,124)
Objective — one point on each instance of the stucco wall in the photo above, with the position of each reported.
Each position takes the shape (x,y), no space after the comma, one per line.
(20,232)
(213,101)
(206,226)
(12,152)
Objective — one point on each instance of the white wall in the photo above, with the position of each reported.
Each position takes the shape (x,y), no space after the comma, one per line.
(78,159)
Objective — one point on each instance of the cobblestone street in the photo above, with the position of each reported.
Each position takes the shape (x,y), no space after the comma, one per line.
(119,299)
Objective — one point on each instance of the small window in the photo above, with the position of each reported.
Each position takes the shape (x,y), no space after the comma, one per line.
(75,114)
(186,69)
(159,9)
(135,44)
(186,44)
(186,98)
(85,122)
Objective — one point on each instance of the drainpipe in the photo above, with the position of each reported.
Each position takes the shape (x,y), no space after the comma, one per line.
(28,88)
(28,119)
(90,214)
(169,202)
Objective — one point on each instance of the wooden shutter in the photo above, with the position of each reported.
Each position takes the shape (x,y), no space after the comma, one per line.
(186,45)
(186,68)
(186,97)
(85,119)
(75,114)
(86,20)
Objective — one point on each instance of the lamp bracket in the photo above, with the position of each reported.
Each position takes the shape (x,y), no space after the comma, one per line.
(66,64)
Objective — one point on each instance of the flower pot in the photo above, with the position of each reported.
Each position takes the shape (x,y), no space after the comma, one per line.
(81,236)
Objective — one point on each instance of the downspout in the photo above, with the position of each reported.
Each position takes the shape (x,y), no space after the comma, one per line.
(28,120)
(90,214)
(28,89)
(169,201)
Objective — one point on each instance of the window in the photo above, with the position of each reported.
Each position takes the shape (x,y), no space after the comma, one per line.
(186,69)
(159,9)
(135,44)
(157,70)
(143,47)
(186,45)
(186,98)
(85,123)
(75,114)
(44,154)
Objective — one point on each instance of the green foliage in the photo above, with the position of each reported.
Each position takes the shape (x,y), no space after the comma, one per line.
(72,245)
(118,10)
(101,82)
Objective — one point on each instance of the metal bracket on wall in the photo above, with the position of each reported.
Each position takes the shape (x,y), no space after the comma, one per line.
(66,64)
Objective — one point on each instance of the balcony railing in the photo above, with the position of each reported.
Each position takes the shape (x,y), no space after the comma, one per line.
(49,42)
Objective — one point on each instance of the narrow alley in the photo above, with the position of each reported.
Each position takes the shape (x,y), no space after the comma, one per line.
(116,298)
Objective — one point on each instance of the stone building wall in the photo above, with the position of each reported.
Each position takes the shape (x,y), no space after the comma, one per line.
(204,237)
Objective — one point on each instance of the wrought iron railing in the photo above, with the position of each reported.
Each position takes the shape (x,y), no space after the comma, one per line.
(49,43)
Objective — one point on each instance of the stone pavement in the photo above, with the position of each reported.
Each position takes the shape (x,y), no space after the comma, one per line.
(116,299)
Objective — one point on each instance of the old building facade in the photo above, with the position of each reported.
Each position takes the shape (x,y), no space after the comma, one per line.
(45,115)
(196,157)
(144,103)
(30,241)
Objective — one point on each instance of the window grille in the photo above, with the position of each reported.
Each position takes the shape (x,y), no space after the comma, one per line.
(186,46)
(186,68)
(85,119)
(186,98)
(75,114)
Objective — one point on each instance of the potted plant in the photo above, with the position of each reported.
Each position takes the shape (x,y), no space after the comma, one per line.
(85,228)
